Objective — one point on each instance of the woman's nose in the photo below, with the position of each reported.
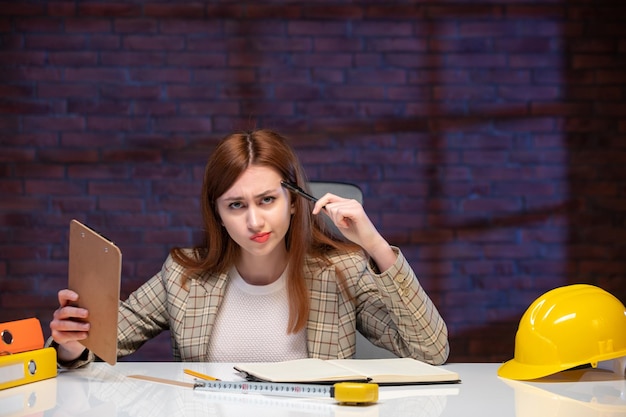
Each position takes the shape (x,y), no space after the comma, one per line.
(255,218)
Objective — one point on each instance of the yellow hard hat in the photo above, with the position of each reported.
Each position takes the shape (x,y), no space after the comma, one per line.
(567,327)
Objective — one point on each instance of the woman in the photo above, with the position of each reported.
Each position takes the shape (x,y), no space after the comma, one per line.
(271,283)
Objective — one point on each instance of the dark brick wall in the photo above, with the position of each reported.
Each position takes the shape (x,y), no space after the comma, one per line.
(488,137)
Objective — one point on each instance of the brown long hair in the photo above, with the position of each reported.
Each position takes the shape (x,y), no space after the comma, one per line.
(307,234)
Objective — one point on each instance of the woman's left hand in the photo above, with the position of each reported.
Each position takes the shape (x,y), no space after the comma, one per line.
(352,221)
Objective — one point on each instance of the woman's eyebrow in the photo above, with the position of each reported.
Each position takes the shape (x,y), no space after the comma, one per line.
(239,198)
(265,193)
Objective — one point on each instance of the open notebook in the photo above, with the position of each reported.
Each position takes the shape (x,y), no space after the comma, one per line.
(393,371)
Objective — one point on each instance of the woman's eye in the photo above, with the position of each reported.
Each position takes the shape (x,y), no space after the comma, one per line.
(267,200)
(235,205)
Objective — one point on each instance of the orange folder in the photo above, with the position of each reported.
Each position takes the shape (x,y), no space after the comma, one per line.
(20,336)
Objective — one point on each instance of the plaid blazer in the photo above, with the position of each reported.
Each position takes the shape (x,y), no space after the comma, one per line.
(391,309)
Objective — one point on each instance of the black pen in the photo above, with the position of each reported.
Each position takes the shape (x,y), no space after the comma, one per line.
(298,190)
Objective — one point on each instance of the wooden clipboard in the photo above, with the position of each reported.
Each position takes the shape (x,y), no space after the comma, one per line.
(95,269)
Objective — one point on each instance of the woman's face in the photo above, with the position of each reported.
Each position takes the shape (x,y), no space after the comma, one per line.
(256,212)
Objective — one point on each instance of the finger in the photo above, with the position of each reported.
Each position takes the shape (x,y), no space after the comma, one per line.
(325,200)
(343,221)
(69,319)
(66,297)
(70,313)
(344,212)
(319,206)
(63,331)
(69,326)
(62,337)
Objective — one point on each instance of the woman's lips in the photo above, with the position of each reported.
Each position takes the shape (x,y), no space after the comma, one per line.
(260,237)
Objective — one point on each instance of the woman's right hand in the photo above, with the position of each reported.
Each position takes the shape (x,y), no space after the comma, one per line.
(68,326)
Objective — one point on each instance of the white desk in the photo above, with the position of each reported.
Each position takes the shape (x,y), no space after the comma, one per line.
(104,391)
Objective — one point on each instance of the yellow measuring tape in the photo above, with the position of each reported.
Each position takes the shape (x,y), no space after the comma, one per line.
(355,392)
(343,392)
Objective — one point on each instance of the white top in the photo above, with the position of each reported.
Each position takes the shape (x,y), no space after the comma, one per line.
(251,324)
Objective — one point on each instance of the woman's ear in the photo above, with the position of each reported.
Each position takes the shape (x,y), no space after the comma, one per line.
(292,202)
